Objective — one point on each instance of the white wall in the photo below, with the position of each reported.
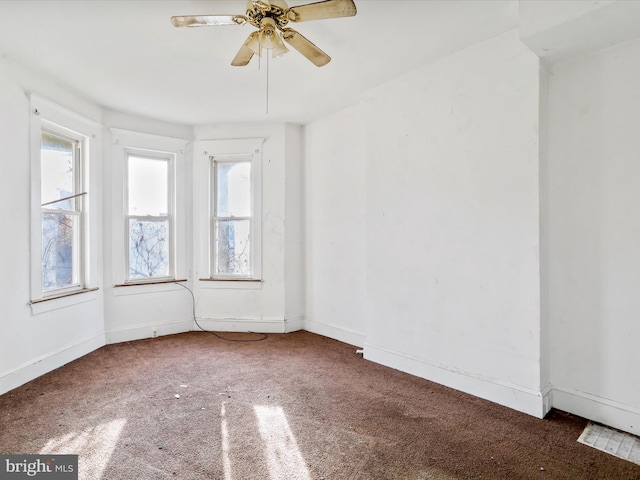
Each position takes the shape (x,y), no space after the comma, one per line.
(453,223)
(442,236)
(335,216)
(593,235)
(36,340)
(294,226)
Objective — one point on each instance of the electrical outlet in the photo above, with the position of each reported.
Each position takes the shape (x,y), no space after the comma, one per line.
(154,332)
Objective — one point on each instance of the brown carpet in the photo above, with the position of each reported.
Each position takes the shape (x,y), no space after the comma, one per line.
(293,406)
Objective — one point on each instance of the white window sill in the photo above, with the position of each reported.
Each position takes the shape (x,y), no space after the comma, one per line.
(140,288)
(240,284)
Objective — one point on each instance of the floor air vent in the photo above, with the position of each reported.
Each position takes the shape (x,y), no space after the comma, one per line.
(612,441)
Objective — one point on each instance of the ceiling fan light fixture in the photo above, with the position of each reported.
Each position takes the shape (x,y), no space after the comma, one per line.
(274,43)
(267,38)
(280,49)
(253,43)
(268,33)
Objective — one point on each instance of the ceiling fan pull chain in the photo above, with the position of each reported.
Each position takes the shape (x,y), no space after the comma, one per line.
(267,99)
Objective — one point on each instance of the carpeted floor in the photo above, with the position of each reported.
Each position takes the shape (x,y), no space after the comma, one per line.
(294,406)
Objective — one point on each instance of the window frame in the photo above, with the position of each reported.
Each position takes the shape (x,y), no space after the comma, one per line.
(216,160)
(170,158)
(79,191)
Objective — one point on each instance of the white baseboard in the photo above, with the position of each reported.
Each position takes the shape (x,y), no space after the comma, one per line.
(48,362)
(523,399)
(601,410)
(259,325)
(337,333)
(293,324)
(140,332)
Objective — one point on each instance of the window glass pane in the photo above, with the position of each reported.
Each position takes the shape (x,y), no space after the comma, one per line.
(57,173)
(233,247)
(148,248)
(59,250)
(233,189)
(148,186)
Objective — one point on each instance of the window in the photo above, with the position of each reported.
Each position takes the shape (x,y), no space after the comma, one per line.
(227,213)
(232,229)
(149,216)
(150,200)
(62,219)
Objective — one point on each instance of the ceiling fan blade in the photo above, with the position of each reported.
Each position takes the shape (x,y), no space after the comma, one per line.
(322,10)
(305,47)
(244,54)
(207,20)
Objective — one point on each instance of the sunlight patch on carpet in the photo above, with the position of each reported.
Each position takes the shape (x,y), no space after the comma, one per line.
(94,446)
(224,429)
(620,444)
(282,452)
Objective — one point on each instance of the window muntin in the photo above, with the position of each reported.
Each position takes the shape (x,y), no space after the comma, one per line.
(149,225)
(232,221)
(61,198)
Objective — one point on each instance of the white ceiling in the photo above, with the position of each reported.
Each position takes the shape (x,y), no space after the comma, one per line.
(126,55)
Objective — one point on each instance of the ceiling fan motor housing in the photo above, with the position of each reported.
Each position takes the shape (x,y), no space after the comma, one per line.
(257,10)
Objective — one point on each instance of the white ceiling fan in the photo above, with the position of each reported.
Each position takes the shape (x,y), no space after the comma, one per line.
(271,18)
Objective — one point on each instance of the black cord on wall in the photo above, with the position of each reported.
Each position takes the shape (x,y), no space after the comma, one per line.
(261,336)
